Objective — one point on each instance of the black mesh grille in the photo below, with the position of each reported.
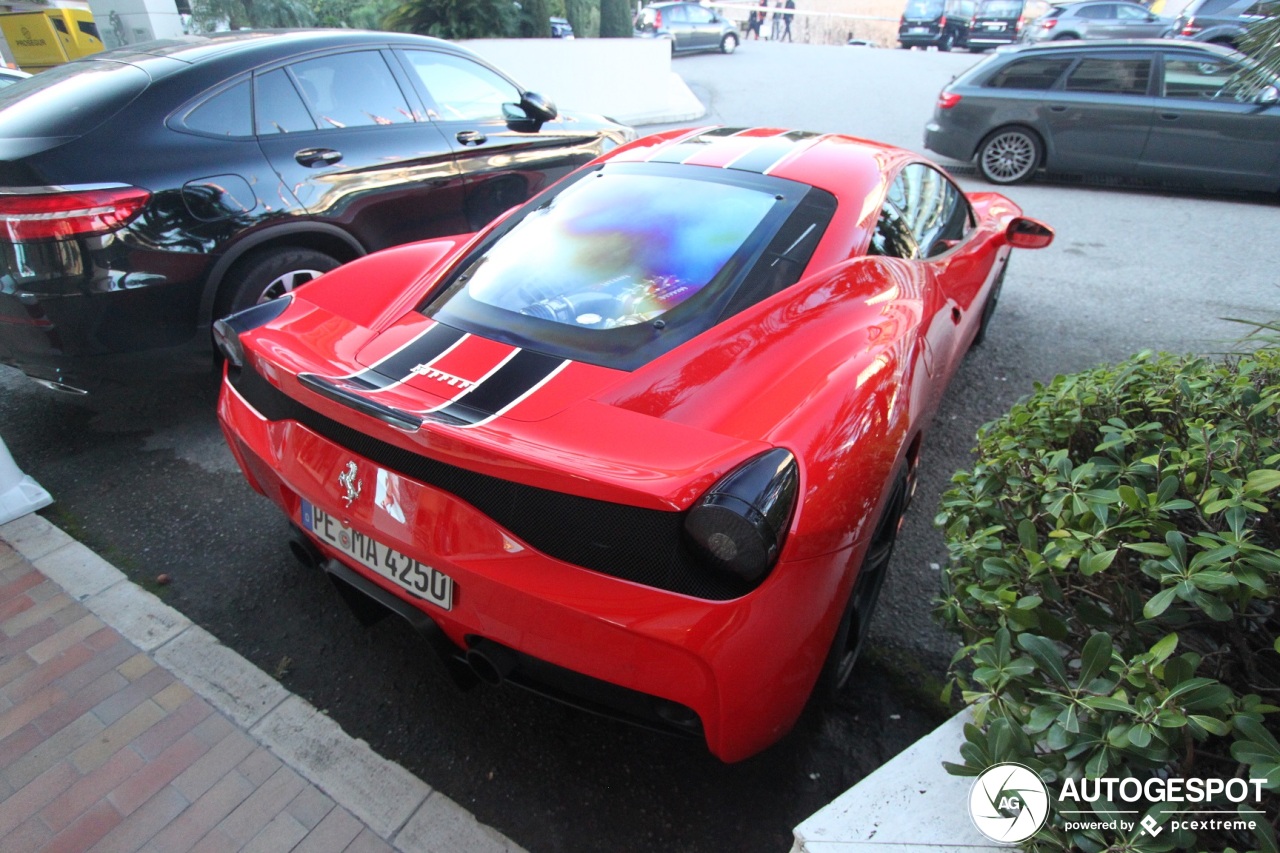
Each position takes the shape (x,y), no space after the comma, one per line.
(633,543)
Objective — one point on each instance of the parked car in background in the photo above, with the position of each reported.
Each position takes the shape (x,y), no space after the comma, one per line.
(1096,19)
(997,22)
(561,28)
(9,76)
(1162,109)
(254,161)
(688,27)
(943,24)
(1218,21)
(658,474)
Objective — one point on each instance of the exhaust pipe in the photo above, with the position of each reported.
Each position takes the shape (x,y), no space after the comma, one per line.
(304,550)
(491,662)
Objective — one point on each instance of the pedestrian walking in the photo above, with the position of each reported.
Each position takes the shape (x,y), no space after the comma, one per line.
(754,20)
(786,20)
(777,21)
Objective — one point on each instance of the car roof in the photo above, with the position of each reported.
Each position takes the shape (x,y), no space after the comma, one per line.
(1112,45)
(256,45)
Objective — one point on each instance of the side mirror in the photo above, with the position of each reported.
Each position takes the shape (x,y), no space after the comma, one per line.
(1269,96)
(1024,233)
(530,114)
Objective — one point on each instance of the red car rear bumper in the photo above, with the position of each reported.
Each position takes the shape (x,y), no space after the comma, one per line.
(745,667)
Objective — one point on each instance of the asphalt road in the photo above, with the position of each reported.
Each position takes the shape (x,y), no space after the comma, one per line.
(143,478)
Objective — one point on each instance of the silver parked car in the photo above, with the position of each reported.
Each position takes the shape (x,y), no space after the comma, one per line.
(1163,109)
(1097,19)
(687,26)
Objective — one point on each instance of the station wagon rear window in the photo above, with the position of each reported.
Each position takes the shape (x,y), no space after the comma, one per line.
(627,262)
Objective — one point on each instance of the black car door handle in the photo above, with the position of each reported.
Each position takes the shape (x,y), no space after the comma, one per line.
(1057,108)
(1169,116)
(472,137)
(318,156)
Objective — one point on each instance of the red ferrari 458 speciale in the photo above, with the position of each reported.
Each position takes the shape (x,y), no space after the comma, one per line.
(644,442)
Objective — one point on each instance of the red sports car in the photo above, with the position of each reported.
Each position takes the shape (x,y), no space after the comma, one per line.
(642,444)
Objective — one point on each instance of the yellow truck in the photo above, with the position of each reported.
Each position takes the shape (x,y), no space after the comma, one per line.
(50,37)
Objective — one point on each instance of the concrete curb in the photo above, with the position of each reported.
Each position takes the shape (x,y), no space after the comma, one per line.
(909,804)
(400,808)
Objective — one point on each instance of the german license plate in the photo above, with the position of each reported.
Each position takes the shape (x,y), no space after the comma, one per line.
(919,30)
(993,26)
(416,578)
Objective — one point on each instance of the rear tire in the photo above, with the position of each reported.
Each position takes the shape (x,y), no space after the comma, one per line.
(269,274)
(1009,155)
(989,309)
(855,624)
(945,44)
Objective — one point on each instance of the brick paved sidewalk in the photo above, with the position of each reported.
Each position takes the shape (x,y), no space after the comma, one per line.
(104,748)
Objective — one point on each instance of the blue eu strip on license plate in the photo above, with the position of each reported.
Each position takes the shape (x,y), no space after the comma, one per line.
(414,577)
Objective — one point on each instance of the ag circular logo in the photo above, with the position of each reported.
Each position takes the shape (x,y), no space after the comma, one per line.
(1008,802)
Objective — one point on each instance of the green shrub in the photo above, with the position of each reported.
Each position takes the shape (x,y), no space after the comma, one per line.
(1113,577)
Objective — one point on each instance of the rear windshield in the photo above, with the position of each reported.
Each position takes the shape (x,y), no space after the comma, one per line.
(630,261)
(999,9)
(68,100)
(923,9)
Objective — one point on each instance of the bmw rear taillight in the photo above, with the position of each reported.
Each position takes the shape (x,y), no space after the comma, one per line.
(1021,22)
(1048,23)
(30,216)
(657,19)
(947,100)
(942,22)
(1191,29)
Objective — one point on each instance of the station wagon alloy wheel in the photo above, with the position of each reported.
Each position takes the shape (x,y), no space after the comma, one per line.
(1009,156)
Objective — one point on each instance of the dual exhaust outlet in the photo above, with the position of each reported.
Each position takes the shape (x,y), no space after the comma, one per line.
(486,660)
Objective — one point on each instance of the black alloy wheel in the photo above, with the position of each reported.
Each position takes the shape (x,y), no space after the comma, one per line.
(989,308)
(855,625)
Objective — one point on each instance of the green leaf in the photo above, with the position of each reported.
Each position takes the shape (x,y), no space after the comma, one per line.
(1212,725)
(1108,703)
(1167,646)
(1095,658)
(1262,480)
(1046,655)
(1159,602)
(1155,549)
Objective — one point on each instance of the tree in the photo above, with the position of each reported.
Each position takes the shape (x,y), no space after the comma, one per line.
(1262,38)
(454,19)
(584,17)
(366,15)
(209,15)
(615,19)
(535,20)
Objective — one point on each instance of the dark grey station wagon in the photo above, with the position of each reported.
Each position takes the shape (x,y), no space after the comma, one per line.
(1161,109)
